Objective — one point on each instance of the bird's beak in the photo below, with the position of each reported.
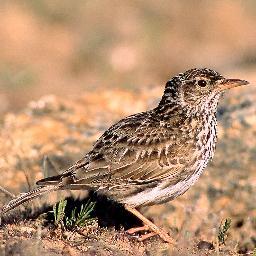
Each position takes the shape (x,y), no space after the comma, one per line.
(226,84)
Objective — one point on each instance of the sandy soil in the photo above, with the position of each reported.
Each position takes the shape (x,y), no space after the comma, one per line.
(64,130)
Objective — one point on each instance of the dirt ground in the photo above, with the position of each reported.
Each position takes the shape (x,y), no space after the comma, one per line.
(65,129)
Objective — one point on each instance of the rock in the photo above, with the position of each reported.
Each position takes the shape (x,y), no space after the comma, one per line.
(204,245)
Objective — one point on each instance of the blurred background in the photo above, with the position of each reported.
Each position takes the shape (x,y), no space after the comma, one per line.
(107,59)
(68,47)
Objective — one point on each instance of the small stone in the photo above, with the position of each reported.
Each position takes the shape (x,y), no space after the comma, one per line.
(205,245)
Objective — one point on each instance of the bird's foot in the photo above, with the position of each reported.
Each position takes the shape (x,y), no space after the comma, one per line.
(148,226)
(143,237)
(131,231)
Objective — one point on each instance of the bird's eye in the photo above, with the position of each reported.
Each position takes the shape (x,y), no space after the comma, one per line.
(202,83)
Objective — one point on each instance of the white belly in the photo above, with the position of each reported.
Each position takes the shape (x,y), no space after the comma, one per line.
(162,192)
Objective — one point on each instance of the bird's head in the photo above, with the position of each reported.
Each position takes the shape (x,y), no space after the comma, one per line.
(198,88)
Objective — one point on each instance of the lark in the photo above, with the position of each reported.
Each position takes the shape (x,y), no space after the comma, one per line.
(150,157)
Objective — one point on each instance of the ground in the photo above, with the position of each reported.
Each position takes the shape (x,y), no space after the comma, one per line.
(65,129)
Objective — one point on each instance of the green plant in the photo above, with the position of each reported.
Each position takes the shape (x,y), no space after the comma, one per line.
(81,218)
(223,229)
(76,219)
(59,212)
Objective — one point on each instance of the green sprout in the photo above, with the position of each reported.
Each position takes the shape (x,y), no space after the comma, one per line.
(76,219)
(59,212)
(80,219)
(223,229)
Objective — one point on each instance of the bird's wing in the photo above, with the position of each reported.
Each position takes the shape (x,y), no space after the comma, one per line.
(135,149)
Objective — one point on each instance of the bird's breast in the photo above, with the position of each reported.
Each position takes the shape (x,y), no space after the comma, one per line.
(192,157)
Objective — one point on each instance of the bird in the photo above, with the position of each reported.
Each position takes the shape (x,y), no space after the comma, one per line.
(150,157)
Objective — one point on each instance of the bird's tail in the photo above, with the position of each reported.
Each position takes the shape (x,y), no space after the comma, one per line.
(26,197)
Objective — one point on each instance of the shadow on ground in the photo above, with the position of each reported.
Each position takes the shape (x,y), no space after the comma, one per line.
(108,213)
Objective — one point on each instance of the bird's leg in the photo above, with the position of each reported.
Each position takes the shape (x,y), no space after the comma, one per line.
(137,229)
(148,226)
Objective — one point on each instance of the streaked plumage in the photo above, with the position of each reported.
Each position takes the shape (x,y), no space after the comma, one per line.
(153,156)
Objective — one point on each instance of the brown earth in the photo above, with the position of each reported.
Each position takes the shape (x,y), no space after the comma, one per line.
(65,129)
